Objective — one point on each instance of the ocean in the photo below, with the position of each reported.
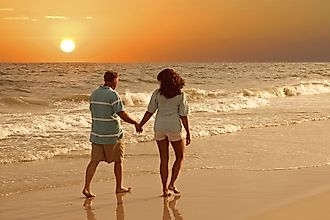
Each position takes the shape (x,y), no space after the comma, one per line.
(45,117)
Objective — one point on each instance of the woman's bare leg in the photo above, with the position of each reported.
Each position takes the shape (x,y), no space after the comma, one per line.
(164,158)
(178,147)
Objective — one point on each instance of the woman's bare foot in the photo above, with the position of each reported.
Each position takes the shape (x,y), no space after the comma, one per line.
(174,189)
(87,193)
(123,190)
(172,203)
(88,202)
(166,193)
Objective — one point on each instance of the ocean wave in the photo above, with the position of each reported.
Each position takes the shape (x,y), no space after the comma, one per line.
(21,101)
(30,155)
(76,98)
(4,133)
(128,98)
(216,130)
(135,99)
(23,90)
(219,167)
(194,94)
(304,88)
(43,125)
(202,100)
(3,73)
(220,101)
(151,81)
(289,168)
(227,105)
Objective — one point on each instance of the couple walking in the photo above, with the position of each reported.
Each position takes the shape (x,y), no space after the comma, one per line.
(106,136)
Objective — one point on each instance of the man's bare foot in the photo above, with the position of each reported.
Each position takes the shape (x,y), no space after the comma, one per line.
(123,190)
(174,189)
(87,193)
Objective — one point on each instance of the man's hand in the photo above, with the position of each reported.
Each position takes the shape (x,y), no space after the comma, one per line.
(124,116)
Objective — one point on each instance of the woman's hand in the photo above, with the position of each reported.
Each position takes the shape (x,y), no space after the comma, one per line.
(188,138)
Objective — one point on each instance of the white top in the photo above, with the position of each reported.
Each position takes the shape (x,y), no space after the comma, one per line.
(169,111)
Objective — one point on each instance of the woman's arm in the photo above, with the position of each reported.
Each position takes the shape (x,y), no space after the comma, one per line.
(185,123)
(146,118)
(125,117)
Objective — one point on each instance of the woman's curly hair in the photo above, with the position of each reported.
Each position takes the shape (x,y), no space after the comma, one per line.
(170,83)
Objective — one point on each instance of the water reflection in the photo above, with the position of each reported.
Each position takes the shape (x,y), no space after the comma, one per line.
(170,212)
(88,207)
(120,212)
(170,206)
(120,215)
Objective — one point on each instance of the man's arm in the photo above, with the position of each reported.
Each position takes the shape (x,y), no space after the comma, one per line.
(125,117)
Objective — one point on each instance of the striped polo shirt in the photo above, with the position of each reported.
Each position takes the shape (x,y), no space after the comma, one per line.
(105,103)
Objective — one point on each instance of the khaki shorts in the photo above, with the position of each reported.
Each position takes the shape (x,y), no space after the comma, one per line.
(108,152)
(170,135)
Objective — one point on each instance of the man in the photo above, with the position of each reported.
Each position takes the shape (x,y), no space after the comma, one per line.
(106,134)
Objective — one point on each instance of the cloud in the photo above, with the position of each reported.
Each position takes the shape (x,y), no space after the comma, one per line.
(56,17)
(17,18)
(6,9)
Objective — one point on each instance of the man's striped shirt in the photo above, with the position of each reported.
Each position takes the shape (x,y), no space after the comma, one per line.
(105,103)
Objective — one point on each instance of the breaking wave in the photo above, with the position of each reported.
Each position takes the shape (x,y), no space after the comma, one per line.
(304,88)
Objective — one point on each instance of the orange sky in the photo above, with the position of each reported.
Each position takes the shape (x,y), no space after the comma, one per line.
(165,31)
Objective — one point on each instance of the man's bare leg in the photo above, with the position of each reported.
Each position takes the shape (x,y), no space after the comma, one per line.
(90,171)
(118,170)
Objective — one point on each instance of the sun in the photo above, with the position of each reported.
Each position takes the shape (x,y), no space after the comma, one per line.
(68,45)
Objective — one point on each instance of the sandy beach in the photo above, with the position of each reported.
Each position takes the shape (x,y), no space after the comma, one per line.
(205,194)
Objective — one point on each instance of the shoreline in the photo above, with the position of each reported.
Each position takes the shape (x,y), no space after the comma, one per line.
(258,149)
(230,195)
(206,193)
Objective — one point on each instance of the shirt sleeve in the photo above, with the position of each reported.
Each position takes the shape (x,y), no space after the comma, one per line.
(117,104)
(183,106)
(90,101)
(152,106)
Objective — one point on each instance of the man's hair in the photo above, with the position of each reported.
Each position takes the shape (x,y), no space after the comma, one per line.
(109,76)
(170,83)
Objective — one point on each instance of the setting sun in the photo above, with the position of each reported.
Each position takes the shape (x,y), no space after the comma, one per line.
(68,45)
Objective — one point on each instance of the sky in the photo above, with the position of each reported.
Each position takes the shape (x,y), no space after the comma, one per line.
(151,31)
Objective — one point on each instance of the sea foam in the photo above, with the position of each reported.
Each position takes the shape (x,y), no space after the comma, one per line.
(135,99)
(303,88)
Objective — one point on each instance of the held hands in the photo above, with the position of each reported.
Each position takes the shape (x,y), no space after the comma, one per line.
(138,128)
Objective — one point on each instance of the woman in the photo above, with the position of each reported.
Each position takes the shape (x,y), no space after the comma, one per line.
(172,108)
